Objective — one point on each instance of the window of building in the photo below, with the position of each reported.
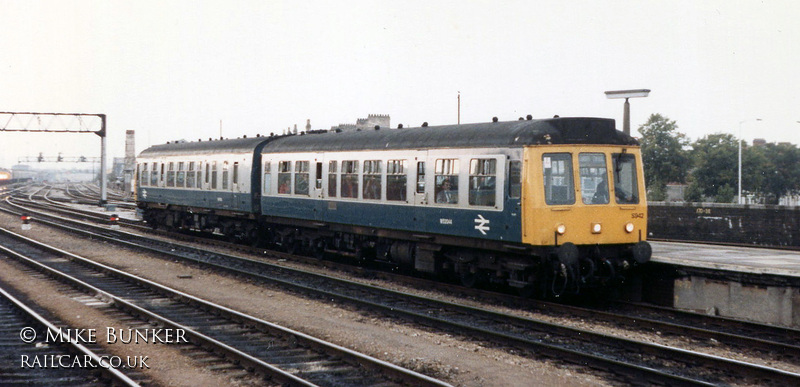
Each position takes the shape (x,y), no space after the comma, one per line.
(372,179)
(594,178)
(350,179)
(446,176)
(625,180)
(332,179)
(482,182)
(301,178)
(396,180)
(285,177)
(558,186)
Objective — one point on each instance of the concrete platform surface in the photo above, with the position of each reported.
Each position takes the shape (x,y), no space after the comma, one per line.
(740,259)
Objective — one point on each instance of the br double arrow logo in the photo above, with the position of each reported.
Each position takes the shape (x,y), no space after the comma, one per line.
(481,224)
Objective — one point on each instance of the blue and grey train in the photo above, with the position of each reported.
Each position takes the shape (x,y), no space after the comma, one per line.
(547,206)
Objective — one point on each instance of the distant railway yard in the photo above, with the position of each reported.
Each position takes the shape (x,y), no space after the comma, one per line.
(206,311)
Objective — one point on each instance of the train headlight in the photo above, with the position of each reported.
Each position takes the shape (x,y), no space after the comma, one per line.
(596,228)
(629,228)
(561,229)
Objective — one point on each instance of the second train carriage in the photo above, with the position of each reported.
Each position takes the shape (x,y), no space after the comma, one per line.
(546,205)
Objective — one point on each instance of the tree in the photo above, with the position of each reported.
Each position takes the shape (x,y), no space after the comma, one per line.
(715,158)
(664,158)
(781,176)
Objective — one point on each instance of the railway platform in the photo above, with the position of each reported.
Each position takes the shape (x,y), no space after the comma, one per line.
(752,283)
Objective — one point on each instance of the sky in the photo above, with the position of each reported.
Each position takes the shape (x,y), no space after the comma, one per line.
(174,70)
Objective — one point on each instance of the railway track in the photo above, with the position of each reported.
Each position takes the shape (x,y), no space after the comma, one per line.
(637,360)
(28,360)
(283,355)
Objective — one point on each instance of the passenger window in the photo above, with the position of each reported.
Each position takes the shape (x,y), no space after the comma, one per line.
(318,176)
(225,175)
(396,180)
(181,181)
(161,176)
(332,174)
(420,177)
(208,174)
(482,182)
(594,178)
(301,178)
(446,175)
(285,177)
(190,177)
(199,174)
(514,179)
(267,178)
(154,175)
(625,179)
(213,175)
(372,180)
(171,175)
(558,186)
(350,179)
(144,175)
(235,175)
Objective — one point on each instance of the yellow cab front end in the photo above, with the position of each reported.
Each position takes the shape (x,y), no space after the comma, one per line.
(586,205)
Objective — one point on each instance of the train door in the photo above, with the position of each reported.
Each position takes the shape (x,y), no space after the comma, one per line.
(316,191)
(420,179)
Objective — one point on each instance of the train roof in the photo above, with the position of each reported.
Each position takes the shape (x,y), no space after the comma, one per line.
(235,145)
(579,130)
(482,135)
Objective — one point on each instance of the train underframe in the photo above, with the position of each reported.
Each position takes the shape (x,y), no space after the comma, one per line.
(538,271)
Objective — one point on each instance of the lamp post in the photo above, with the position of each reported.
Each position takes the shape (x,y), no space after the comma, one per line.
(626,118)
(739,200)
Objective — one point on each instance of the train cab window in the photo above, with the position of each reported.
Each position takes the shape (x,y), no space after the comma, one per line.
(284,177)
(594,178)
(191,175)
(350,179)
(396,180)
(301,178)
(420,177)
(514,179)
(625,180)
(332,174)
(213,175)
(482,182)
(181,178)
(225,175)
(235,175)
(446,180)
(171,175)
(558,184)
(154,175)
(267,178)
(372,179)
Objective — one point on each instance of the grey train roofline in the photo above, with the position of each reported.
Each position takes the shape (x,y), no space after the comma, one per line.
(580,130)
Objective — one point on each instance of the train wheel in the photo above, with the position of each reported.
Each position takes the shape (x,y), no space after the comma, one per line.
(470,276)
